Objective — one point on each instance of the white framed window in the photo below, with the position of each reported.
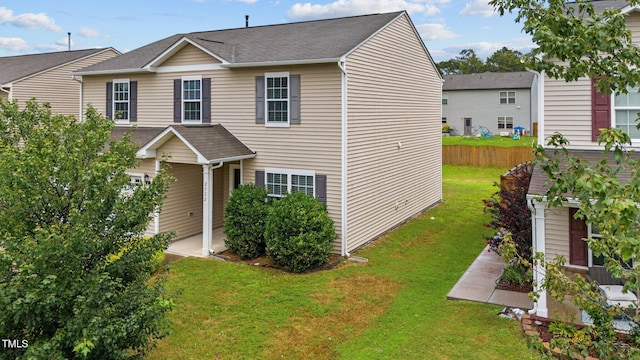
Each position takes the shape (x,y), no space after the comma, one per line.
(507,97)
(135,180)
(625,109)
(505,122)
(121,97)
(192,99)
(594,233)
(445,98)
(277,98)
(280,182)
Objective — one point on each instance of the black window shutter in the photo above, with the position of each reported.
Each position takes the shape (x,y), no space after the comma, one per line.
(177,100)
(600,111)
(260,100)
(294,100)
(133,101)
(321,188)
(260,178)
(206,100)
(109,106)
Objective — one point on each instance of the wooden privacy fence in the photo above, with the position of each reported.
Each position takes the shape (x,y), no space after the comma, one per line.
(485,155)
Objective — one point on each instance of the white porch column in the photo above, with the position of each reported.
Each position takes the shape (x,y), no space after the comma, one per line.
(539,246)
(156,213)
(207,208)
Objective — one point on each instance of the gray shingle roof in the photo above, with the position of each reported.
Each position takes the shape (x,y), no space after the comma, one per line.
(600,5)
(13,68)
(308,40)
(489,80)
(214,142)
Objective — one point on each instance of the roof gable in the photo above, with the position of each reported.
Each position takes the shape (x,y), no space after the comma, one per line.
(489,80)
(14,68)
(284,43)
(177,49)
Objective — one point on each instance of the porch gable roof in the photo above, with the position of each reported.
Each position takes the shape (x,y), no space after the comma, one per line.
(210,143)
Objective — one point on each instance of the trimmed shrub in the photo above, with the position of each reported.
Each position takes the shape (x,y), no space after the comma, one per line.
(244,221)
(299,233)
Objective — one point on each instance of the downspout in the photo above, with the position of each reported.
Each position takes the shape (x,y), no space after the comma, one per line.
(210,210)
(343,146)
(534,246)
(79,80)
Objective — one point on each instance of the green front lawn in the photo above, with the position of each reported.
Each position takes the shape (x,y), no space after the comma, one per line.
(526,141)
(393,307)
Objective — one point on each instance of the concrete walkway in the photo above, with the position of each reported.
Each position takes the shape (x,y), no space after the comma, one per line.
(479,281)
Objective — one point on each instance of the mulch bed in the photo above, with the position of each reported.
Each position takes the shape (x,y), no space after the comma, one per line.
(264,261)
(510,286)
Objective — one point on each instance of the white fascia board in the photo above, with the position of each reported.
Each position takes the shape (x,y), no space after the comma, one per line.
(281,62)
(112,72)
(185,68)
(155,62)
(627,9)
(149,149)
(233,158)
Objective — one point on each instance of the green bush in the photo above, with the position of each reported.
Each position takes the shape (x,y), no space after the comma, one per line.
(516,273)
(244,221)
(299,233)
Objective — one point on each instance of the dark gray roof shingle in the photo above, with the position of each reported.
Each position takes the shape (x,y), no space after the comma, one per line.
(489,80)
(13,68)
(214,142)
(308,40)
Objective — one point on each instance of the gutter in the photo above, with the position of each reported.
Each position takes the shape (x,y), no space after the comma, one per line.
(283,62)
(343,149)
(114,71)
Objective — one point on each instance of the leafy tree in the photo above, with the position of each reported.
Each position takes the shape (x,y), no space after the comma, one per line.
(579,42)
(469,62)
(74,265)
(449,67)
(505,60)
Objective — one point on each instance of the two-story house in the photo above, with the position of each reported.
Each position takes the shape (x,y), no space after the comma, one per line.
(495,101)
(577,110)
(345,109)
(47,77)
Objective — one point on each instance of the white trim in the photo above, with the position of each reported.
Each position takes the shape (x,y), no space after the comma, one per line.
(343,158)
(115,72)
(185,68)
(279,63)
(113,101)
(156,212)
(635,142)
(282,74)
(182,99)
(507,97)
(173,49)
(289,173)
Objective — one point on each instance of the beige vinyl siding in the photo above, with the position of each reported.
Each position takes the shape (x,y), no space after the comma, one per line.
(394,133)
(177,152)
(4,95)
(56,86)
(312,145)
(633,24)
(568,111)
(557,232)
(190,55)
(218,197)
(182,210)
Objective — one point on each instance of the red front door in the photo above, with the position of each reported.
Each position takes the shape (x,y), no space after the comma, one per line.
(578,249)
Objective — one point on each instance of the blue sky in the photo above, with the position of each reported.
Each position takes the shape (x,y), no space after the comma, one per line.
(34,26)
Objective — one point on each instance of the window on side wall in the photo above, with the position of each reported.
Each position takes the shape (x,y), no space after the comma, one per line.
(626,108)
(505,122)
(192,99)
(594,233)
(121,96)
(445,98)
(277,98)
(280,182)
(507,97)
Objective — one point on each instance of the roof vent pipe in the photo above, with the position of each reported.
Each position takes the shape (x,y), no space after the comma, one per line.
(69,40)
(246,21)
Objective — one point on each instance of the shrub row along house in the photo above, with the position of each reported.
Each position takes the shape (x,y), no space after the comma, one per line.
(346,109)
(577,110)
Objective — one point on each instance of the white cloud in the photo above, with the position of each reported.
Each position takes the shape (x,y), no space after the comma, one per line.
(89,32)
(28,20)
(15,45)
(247,1)
(340,8)
(484,49)
(478,8)
(435,32)
(65,42)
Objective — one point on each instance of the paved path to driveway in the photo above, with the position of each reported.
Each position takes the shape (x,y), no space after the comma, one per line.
(479,281)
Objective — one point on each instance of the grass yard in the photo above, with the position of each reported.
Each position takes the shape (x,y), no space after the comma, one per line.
(393,307)
(526,141)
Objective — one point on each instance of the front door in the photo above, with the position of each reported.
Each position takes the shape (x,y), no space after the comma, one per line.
(578,249)
(235,177)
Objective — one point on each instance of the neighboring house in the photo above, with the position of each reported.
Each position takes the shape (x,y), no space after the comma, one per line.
(346,109)
(496,101)
(47,77)
(577,110)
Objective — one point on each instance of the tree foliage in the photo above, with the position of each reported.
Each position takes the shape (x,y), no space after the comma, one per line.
(468,62)
(74,266)
(575,41)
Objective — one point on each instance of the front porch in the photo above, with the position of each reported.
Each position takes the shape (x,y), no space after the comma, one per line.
(192,245)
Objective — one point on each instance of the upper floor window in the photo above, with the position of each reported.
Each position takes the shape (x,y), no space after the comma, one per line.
(280,182)
(121,98)
(505,122)
(192,99)
(626,108)
(445,98)
(277,98)
(444,120)
(507,97)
